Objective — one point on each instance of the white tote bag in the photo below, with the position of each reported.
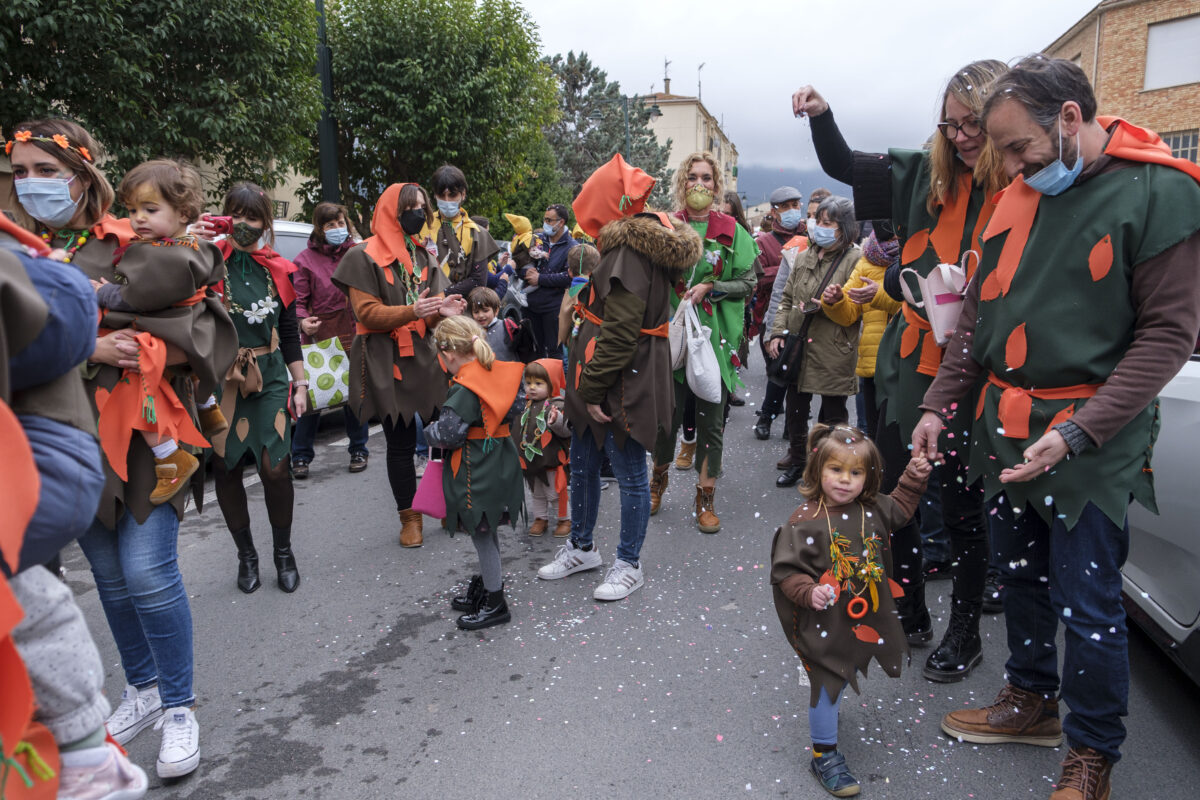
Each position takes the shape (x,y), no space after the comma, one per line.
(703,370)
(677,335)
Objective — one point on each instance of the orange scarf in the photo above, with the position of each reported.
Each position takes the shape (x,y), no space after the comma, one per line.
(279,268)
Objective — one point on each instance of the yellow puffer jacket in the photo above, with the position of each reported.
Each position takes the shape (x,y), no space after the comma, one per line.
(874,315)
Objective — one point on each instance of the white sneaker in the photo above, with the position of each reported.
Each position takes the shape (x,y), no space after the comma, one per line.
(179,752)
(138,710)
(568,560)
(100,773)
(419,464)
(622,580)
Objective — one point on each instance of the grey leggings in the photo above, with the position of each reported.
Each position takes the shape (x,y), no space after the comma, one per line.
(487,545)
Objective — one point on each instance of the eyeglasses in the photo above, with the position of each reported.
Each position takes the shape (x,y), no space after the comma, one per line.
(970,128)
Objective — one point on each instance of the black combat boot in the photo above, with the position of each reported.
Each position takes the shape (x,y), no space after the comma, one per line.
(493,611)
(472,598)
(960,650)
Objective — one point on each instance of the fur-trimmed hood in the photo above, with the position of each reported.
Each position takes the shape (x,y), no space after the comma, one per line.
(670,250)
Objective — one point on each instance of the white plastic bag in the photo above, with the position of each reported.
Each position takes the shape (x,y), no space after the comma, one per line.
(942,295)
(677,335)
(703,370)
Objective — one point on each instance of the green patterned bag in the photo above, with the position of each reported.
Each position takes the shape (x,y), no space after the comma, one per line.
(328,372)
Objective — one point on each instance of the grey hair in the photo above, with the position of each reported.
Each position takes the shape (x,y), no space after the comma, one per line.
(1042,85)
(840,211)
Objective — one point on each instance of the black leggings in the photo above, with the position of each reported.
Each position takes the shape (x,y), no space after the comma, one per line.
(962,515)
(277,491)
(799,406)
(401,447)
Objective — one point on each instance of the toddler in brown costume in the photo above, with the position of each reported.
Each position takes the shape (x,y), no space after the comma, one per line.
(829,574)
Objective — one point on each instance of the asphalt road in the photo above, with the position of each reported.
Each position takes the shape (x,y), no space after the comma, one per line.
(360,686)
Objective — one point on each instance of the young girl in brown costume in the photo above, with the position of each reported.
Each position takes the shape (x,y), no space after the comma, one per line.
(829,574)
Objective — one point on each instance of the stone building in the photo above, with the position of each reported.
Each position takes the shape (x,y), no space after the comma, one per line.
(690,127)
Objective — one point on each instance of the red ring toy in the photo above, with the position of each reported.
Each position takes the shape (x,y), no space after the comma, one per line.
(850,608)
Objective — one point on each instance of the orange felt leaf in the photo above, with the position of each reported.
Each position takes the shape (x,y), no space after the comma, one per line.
(909,340)
(865,633)
(1016,348)
(952,219)
(931,355)
(1101,258)
(578,372)
(396,373)
(590,350)
(828,579)
(388,276)
(915,246)
(19,486)
(1061,416)
(897,589)
(990,289)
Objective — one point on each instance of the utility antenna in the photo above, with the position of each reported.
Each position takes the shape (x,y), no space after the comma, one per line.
(698,93)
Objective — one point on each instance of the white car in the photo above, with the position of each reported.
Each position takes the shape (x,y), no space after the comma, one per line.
(1162,573)
(291,237)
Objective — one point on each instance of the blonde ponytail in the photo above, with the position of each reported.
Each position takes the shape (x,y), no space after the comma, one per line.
(463,335)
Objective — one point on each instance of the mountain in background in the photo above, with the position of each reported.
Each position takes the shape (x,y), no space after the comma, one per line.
(756,182)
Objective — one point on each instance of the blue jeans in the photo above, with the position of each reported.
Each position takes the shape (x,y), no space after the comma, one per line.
(137,576)
(422,445)
(305,433)
(629,467)
(1050,572)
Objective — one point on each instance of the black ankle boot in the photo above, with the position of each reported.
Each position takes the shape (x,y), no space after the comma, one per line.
(493,611)
(914,615)
(288,576)
(762,428)
(247,578)
(472,599)
(961,649)
(790,477)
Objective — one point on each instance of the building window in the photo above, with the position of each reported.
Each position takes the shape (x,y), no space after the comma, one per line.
(1173,53)
(281,208)
(1183,144)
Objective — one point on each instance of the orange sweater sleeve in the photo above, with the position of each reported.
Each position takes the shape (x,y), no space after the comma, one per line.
(376,315)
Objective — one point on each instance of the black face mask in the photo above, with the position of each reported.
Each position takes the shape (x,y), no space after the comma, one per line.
(246,235)
(412,220)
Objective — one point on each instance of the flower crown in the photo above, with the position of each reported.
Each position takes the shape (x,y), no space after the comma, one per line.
(58,139)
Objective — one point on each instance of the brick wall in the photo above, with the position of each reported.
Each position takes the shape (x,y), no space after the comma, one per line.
(1118,81)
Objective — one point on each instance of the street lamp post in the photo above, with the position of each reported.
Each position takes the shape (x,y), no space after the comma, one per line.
(327,127)
(596,116)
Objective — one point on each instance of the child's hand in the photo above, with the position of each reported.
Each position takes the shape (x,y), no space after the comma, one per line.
(59,254)
(919,467)
(822,597)
(97,284)
(552,415)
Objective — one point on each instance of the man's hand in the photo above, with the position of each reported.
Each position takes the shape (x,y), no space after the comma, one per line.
(452,305)
(925,437)
(598,414)
(531,277)
(865,293)
(807,101)
(1040,457)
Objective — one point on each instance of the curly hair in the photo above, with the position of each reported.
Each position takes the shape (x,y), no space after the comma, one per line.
(679,191)
(176,182)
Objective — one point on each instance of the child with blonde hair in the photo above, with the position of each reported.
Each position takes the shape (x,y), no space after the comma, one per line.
(830,575)
(482,474)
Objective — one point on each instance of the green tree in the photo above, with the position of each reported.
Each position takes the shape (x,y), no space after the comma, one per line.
(591,125)
(540,187)
(225,82)
(421,83)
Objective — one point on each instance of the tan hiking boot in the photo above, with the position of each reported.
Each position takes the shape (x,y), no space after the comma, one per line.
(538,527)
(687,454)
(658,487)
(1017,716)
(563,529)
(1085,776)
(172,473)
(706,516)
(212,421)
(411,529)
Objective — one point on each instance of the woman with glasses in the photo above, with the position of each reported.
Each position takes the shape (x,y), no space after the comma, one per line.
(939,200)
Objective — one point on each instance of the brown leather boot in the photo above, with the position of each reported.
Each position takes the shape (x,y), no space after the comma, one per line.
(1016,716)
(563,529)
(1085,776)
(687,454)
(411,528)
(538,527)
(706,516)
(658,487)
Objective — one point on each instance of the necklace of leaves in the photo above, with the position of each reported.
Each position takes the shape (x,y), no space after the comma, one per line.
(867,571)
(80,239)
(232,305)
(409,280)
(531,440)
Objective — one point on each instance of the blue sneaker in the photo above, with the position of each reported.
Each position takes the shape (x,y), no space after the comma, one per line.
(834,776)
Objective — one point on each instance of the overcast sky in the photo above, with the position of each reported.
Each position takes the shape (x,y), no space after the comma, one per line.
(881,65)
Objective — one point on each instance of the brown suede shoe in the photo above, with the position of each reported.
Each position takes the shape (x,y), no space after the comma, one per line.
(212,421)
(411,528)
(172,473)
(538,527)
(706,517)
(1017,716)
(658,487)
(563,529)
(687,454)
(1085,776)
(784,463)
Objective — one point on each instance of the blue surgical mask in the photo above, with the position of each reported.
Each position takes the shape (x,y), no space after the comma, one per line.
(48,200)
(822,237)
(447,209)
(1056,178)
(548,228)
(336,236)
(791,218)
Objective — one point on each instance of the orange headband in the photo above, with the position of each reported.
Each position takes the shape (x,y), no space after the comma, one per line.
(58,139)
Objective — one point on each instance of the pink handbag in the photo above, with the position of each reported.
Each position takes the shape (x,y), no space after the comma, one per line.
(430,498)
